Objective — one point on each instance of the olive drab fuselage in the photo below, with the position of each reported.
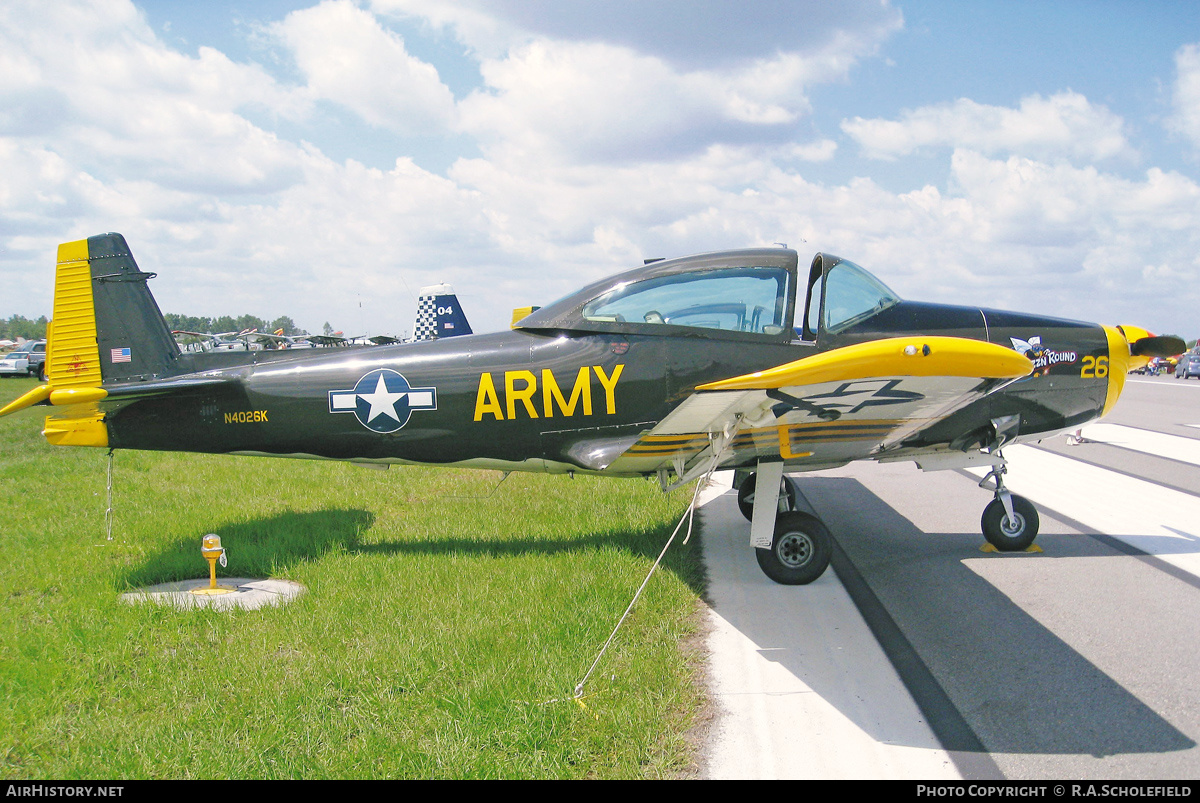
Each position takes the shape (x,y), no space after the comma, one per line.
(564,393)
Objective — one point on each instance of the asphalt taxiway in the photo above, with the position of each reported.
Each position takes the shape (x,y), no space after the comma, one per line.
(920,656)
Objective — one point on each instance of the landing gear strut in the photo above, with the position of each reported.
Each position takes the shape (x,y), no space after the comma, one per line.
(1009,522)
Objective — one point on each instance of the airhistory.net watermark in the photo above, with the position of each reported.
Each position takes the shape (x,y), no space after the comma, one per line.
(61,790)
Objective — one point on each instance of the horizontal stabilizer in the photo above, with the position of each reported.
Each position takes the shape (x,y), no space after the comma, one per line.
(68,396)
(138,390)
(36,396)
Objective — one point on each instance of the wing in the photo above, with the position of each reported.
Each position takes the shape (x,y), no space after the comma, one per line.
(264,337)
(828,409)
(326,340)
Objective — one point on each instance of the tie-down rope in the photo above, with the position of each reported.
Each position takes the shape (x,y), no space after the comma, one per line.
(689,516)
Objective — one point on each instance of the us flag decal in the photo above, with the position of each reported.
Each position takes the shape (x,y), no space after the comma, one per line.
(121,355)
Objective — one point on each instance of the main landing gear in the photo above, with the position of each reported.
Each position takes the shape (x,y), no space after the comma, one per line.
(792,547)
(1009,522)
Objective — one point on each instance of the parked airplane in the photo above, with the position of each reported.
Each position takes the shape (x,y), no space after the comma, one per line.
(209,341)
(276,340)
(726,360)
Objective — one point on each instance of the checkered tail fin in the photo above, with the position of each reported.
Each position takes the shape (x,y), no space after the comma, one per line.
(439,314)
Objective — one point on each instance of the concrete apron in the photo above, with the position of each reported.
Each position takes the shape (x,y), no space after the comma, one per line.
(802,688)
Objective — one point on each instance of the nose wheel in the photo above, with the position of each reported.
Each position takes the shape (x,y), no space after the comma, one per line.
(1009,522)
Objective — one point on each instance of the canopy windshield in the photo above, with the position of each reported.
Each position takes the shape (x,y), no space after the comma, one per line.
(734,299)
(728,294)
(852,296)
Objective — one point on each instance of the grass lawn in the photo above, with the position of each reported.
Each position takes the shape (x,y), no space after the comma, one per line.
(437,624)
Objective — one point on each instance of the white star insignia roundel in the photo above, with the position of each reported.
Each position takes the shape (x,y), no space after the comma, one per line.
(382,400)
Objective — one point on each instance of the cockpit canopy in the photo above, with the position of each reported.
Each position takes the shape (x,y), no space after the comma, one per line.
(750,299)
(731,294)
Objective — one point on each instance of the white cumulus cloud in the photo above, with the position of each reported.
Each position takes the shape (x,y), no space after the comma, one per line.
(631,81)
(117,102)
(690,34)
(1065,125)
(348,58)
(1186,95)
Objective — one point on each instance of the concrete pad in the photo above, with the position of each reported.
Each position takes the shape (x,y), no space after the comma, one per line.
(248,593)
(802,687)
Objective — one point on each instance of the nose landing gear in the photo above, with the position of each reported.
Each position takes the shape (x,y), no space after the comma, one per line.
(1009,522)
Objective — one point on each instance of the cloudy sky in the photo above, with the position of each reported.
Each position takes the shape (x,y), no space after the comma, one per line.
(325,160)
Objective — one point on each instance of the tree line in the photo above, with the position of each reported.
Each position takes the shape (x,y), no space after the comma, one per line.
(18,326)
(227,323)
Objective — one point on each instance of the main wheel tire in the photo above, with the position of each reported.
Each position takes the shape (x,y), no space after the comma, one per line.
(799,552)
(1006,535)
(746,494)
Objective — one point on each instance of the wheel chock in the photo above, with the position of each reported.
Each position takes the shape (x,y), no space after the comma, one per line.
(1032,549)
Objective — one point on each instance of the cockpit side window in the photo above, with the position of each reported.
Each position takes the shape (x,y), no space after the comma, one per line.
(752,299)
(852,295)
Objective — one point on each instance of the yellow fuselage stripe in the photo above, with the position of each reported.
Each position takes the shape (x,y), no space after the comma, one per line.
(658,445)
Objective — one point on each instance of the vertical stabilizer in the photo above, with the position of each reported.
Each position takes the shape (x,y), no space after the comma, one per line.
(132,338)
(439,314)
(106,329)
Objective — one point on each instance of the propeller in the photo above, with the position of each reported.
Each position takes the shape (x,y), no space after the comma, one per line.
(1157,346)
